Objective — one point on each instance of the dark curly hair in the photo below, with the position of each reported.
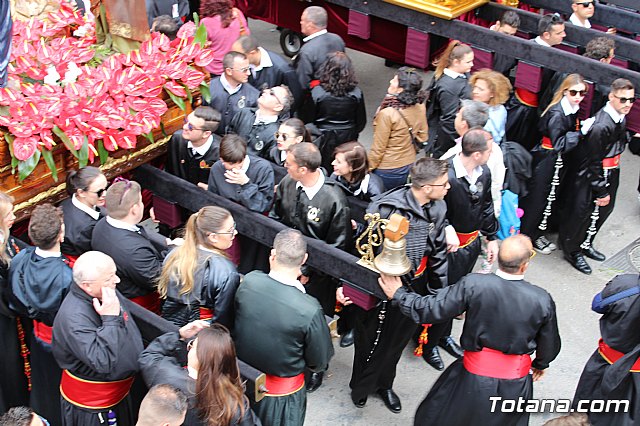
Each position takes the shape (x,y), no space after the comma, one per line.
(211,8)
(337,75)
(411,83)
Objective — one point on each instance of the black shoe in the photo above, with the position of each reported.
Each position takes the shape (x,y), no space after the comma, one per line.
(315,381)
(359,402)
(594,254)
(433,359)
(346,339)
(452,348)
(577,261)
(391,400)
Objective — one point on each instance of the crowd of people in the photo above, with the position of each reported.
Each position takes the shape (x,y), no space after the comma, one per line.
(281,140)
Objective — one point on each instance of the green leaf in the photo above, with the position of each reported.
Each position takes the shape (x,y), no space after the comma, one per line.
(189,94)
(201,35)
(196,19)
(177,100)
(83,154)
(102,152)
(65,140)
(205,92)
(164,131)
(149,137)
(25,168)
(14,161)
(4,111)
(48,158)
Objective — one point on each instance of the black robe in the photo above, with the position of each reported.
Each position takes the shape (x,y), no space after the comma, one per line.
(513,317)
(601,380)
(96,348)
(562,130)
(313,54)
(374,365)
(280,331)
(443,105)
(280,73)
(182,162)
(260,137)
(78,228)
(589,182)
(374,188)
(229,105)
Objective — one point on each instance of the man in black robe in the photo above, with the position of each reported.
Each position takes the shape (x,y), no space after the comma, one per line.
(230,92)
(258,126)
(508,24)
(375,362)
(97,344)
(281,331)
(308,201)
(592,189)
(507,319)
(612,371)
(469,215)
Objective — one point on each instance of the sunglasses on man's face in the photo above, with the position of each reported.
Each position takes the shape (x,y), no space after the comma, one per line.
(586,4)
(625,100)
(577,92)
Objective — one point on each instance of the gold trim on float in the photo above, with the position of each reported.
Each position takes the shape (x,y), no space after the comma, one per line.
(445,9)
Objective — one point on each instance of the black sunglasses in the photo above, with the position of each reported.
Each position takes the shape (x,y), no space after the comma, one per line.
(625,100)
(127,187)
(575,92)
(99,192)
(586,4)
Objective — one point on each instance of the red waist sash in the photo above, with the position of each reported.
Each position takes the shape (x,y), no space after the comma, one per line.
(72,259)
(314,83)
(205,313)
(283,386)
(422,267)
(466,239)
(546,143)
(611,355)
(611,163)
(94,395)
(527,97)
(493,363)
(42,331)
(150,301)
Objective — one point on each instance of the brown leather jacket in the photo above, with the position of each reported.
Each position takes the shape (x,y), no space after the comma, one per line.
(392,147)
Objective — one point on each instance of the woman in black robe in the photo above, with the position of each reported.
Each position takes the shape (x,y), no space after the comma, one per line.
(560,128)
(291,131)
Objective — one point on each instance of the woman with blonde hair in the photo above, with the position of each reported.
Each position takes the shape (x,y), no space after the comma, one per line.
(493,89)
(449,86)
(560,128)
(198,281)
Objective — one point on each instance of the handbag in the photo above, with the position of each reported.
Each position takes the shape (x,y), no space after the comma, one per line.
(416,143)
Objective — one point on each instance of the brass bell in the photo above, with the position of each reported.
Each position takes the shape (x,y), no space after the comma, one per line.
(393,259)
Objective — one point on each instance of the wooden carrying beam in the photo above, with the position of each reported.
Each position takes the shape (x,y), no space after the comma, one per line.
(629,4)
(554,59)
(323,257)
(152,326)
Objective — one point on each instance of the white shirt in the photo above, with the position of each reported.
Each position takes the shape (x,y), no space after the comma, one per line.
(202,149)
(287,281)
(461,172)
(265,62)
(45,254)
(88,210)
(314,35)
(121,225)
(225,84)
(266,119)
(541,42)
(576,21)
(508,276)
(453,74)
(567,108)
(615,116)
(312,190)
(245,164)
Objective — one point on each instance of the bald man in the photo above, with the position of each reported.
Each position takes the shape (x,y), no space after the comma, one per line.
(507,319)
(96,343)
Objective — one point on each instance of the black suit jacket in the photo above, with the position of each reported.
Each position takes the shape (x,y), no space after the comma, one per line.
(281,72)
(138,257)
(78,228)
(313,54)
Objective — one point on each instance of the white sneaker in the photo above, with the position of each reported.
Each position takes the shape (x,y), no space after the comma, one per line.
(548,243)
(542,246)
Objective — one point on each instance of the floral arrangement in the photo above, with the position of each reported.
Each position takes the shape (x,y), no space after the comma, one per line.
(64,88)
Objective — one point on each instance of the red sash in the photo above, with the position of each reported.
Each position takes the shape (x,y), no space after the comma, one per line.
(205,313)
(611,355)
(526,97)
(72,259)
(283,386)
(314,83)
(611,163)
(42,331)
(422,267)
(492,363)
(150,301)
(466,239)
(94,395)
(546,143)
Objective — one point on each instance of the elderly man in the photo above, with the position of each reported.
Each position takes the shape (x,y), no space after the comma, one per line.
(507,319)
(97,344)
(281,330)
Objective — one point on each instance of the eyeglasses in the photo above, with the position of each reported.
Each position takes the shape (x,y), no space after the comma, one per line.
(99,192)
(242,70)
(127,187)
(190,126)
(273,93)
(284,136)
(230,232)
(444,185)
(586,4)
(533,254)
(576,92)
(625,100)
(190,344)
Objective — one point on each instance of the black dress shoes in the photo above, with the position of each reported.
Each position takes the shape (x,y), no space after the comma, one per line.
(448,344)
(359,402)
(577,261)
(390,399)
(315,381)
(594,254)
(346,339)
(433,359)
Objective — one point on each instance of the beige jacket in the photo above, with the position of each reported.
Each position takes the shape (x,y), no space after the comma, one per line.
(392,147)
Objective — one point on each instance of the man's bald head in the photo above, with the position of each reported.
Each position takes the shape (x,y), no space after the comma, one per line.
(90,265)
(514,254)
